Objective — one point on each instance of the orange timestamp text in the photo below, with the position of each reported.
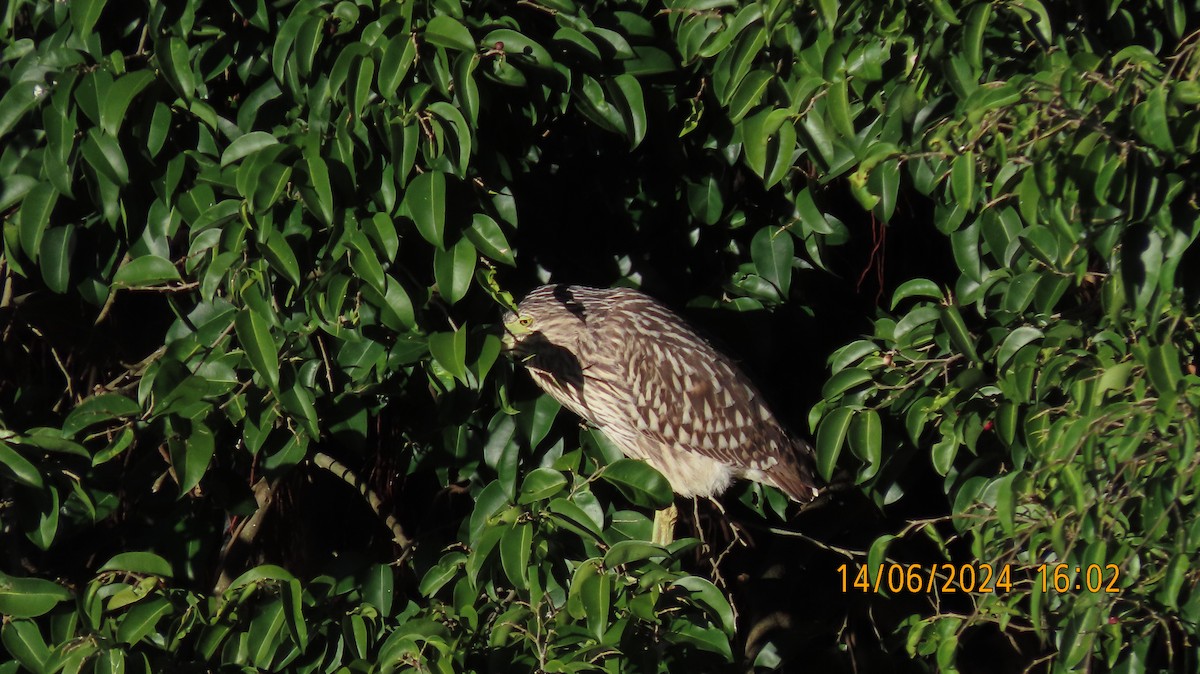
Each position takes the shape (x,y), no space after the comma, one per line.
(927,578)
(980,578)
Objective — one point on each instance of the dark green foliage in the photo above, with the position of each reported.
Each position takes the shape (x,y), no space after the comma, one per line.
(236,234)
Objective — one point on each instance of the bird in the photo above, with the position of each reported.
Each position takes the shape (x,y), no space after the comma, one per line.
(639,373)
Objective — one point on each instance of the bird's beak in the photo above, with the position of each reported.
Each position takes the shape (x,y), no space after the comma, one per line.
(514,332)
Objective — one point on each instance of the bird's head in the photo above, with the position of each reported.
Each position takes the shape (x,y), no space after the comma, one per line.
(551,315)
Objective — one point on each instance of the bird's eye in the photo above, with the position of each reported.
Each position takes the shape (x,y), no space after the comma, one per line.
(526,321)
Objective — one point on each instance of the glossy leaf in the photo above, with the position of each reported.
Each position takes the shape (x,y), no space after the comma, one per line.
(831,435)
(454,268)
(97,409)
(29,597)
(425,202)
(446,31)
(254,333)
(639,482)
(146,271)
(772,251)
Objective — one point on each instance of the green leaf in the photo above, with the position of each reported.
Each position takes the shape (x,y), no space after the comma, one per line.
(962,179)
(24,641)
(831,435)
(175,61)
(952,321)
(144,563)
(382,231)
(379,588)
(945,450)
(43,533)
(490,499)
(453,268)
(99,408)
(281,258)
(366,265)
(160,124)
(449,349)
(293,598)
(263,637)
(462,133)
(515,548)
(922,315)
(84,14)
(1150,120)
(838,108)
(104,155)
(425,203)
(246,145)
(191,456)
(142,619)
(29,597)
(845,380)
(489,239)
(298,401)
(773,251)
(540,484)
(446,31)
(520,47)
(260,573)
(398,312)
(633,109)
(441,573)
(537,422)
(639,482)
(711,599)
(748,94)
(866,436)
(1162,364)
(58,247)
(575,518)
(146,271)
(943,10)
(34,217)
(624,552)
(1014,342)
(118,97)
(828,11)
(254,333)
(595,595)
(917,287)
(18,467)
(16,102)
(705,200)
(812,220)
(877,554)
(318,176)
(398,57)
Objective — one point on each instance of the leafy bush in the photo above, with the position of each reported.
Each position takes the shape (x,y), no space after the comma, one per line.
(242,238)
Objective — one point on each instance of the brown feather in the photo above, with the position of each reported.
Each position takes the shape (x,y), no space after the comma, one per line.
(661,392)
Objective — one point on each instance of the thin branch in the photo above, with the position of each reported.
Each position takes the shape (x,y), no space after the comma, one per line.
(246,531)
(323,460)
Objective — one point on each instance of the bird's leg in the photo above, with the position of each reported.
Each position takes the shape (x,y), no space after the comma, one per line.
(664,525)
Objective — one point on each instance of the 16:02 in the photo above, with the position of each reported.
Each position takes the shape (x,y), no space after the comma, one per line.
(1091,577)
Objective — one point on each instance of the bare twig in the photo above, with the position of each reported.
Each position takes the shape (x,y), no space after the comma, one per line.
(246,531)
(323,460)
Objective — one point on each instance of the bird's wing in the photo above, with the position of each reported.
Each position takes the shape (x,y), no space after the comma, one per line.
(695,399)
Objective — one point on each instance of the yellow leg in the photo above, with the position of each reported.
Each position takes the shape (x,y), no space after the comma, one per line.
(664,525)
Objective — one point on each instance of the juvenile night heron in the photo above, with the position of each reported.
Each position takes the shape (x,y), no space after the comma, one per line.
(658,390)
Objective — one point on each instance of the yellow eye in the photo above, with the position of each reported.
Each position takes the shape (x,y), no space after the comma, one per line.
(526,321)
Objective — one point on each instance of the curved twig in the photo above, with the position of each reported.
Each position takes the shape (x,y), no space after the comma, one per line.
(323,460)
